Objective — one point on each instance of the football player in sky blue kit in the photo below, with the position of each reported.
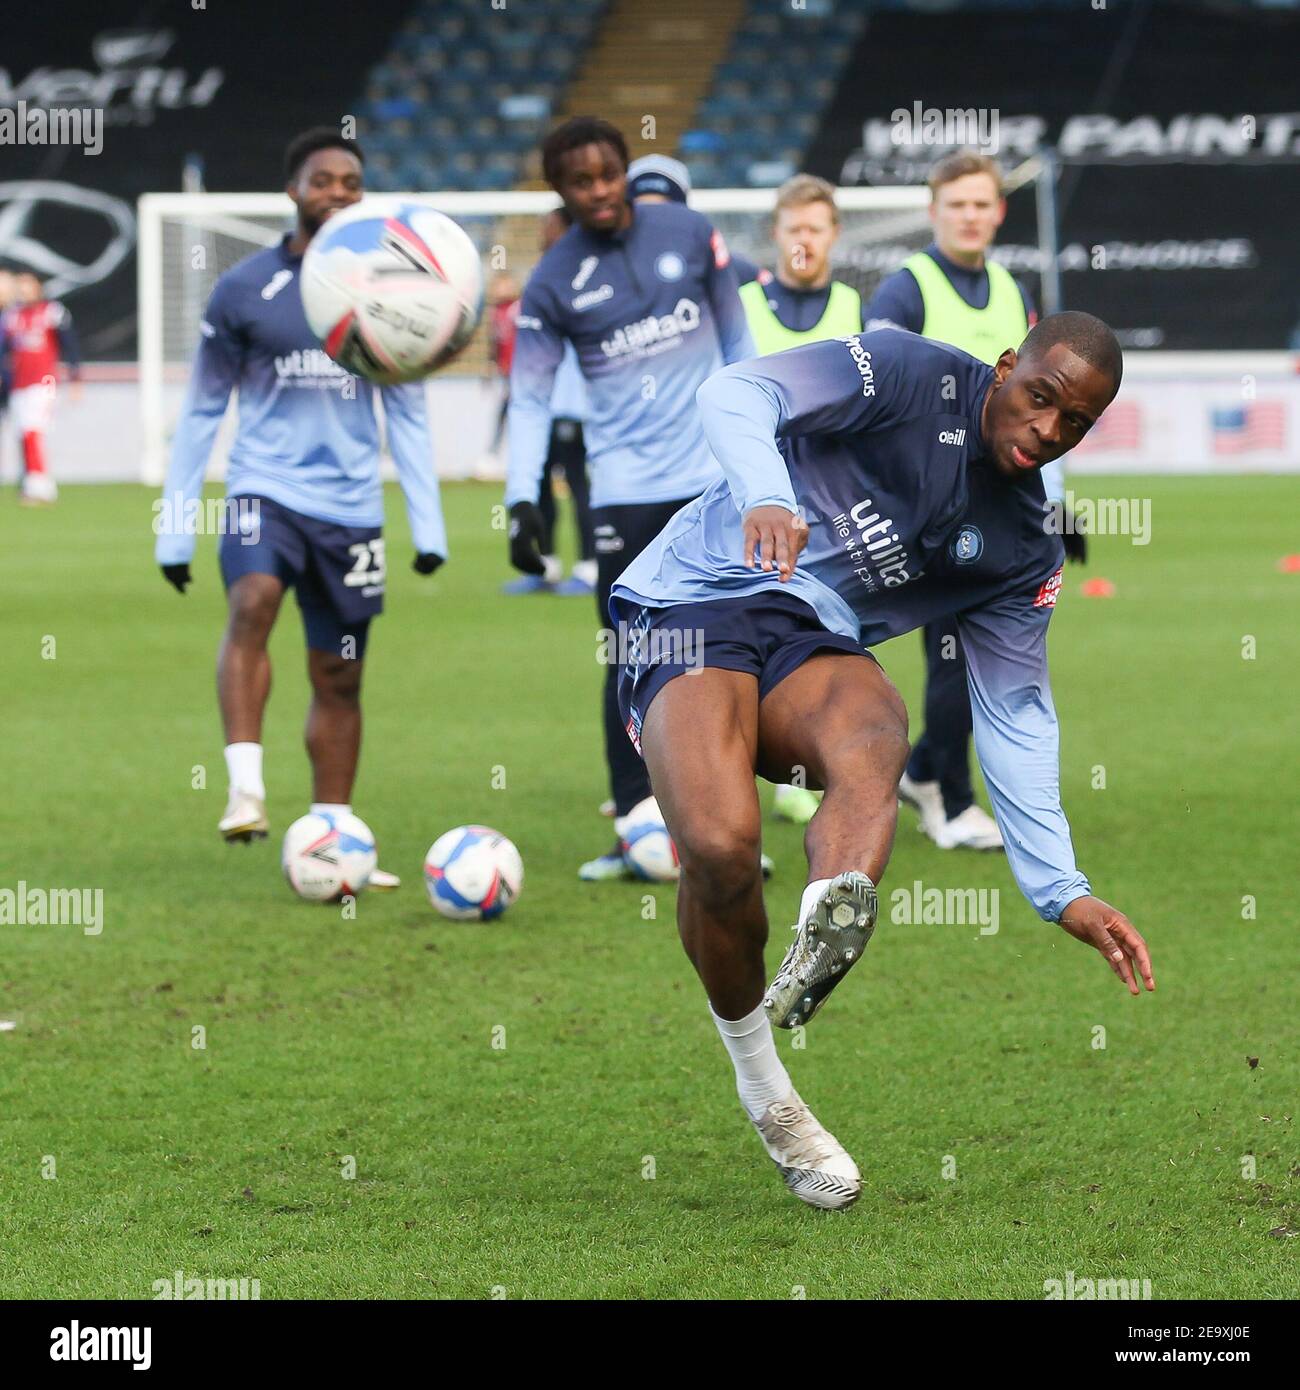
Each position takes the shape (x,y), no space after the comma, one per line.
(873,483)
(303,487)
(648,299)
(954,293)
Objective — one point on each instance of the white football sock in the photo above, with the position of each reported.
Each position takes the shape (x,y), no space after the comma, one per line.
(331,808)
(244,765)
(553,569)
(586,571)
(810,896)
(760,1077)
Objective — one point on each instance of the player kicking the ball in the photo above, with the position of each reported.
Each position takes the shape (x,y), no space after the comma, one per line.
(873,483)
(303,491)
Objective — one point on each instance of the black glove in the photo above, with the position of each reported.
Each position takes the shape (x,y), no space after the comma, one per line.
(178,576)
(1074,540)
(526,528)
(426,563)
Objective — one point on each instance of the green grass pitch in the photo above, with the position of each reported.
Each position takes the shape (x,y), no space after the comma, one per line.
(350,1129)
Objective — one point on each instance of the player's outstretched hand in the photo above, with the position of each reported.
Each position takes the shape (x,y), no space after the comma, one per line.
(1096,923)
(1074,539)
(178,576)
(526,538)
(778,535)
(426,562)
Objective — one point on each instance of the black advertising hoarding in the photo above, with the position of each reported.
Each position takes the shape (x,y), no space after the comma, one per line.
(228,80)
(1179,131)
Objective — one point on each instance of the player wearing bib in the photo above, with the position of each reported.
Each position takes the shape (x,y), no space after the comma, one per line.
(304,498)
(37,339)
(799,304)
(872,484)
(954,293)
(647,298)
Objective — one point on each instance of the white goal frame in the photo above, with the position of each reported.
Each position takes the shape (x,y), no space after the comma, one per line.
(231,213)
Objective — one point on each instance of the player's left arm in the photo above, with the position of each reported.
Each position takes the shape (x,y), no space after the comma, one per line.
(723,286)
(1017,739)
(406,417)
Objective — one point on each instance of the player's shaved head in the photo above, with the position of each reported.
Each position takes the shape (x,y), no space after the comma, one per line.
(1084,334)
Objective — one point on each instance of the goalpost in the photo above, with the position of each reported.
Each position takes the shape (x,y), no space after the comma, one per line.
(187,240)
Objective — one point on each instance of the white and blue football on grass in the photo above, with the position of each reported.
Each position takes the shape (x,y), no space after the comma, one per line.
(648,849)
(473,873)
(392,288)
(326,857)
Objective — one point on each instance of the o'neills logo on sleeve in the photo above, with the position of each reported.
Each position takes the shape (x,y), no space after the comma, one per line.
(862,361)
(875,549)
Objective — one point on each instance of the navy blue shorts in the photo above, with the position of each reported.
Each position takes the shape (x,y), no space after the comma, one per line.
(336,572)
(768,635)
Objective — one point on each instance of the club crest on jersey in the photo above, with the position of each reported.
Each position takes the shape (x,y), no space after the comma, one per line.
(670,266)
(589,263)
(967,545)
(1047,595)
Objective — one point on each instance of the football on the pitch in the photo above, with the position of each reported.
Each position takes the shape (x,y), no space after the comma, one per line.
(327,856)
(473,873)
(392,288)
(648,849)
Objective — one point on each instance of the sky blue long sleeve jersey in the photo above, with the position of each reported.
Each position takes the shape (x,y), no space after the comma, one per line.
(876,439)
(651,312)
(308,434)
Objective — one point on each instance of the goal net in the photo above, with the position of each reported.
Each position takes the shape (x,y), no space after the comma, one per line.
(187,240)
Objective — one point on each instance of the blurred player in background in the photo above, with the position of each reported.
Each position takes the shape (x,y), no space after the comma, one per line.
(503,308)
(304,483)
(954,293)
(800,303)
(566,455)
(6,299)
(648,298)
(36,339)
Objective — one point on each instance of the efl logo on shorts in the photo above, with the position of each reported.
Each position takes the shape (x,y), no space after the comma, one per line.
(1047,594)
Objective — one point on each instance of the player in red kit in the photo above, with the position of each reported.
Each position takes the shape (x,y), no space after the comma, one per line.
(36,335)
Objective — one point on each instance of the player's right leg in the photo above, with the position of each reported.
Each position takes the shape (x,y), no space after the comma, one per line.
(699,735)
(259,560)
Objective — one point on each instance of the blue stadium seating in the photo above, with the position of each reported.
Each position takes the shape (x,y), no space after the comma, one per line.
(466,91)
(756,122)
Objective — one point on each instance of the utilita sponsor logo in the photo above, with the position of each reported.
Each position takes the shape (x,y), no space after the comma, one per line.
(875,547)
(309,367)
(653,334)
(862,361)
